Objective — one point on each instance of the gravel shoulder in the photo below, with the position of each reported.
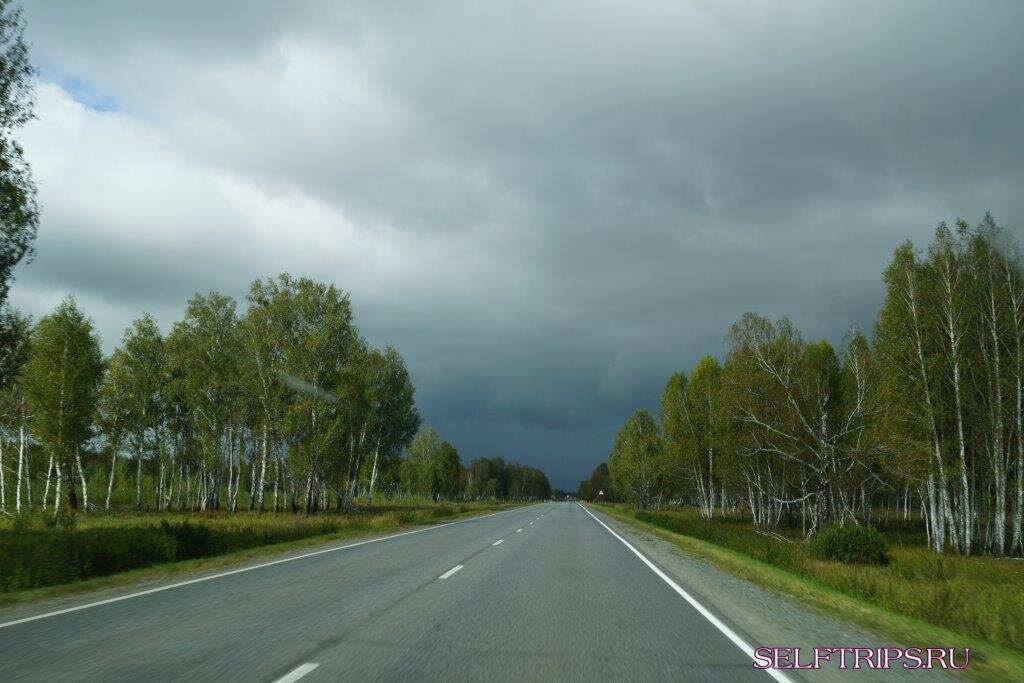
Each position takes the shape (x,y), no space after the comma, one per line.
(764,618)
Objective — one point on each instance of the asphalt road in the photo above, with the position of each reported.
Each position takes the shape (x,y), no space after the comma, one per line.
(537,593)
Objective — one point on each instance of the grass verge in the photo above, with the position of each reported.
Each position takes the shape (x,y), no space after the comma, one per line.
(989,661)
(365,526)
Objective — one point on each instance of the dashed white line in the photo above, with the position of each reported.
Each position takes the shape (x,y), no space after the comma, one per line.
(450,571)
(499,541)
(297,673)
(704,612)
(518,530)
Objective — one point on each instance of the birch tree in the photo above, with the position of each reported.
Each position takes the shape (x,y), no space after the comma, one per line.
(138,373)
(203,352)
(637,464)
(14,348)
(61,378)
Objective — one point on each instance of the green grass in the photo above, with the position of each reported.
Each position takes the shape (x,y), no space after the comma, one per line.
(36,555)
(920,598)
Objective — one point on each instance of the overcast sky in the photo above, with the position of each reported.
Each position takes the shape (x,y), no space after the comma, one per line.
(547,207)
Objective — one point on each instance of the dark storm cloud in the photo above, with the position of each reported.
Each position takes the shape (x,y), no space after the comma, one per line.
(547,207)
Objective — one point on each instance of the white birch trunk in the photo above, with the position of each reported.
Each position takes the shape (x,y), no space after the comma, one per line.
(110,479)
(49,473)
(373,473)
(56,497)
(263,474)
(81,478)
(21,467)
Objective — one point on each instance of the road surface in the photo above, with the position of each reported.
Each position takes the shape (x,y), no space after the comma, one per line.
(545,592)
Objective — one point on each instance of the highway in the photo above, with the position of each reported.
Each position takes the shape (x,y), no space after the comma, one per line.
(543,592)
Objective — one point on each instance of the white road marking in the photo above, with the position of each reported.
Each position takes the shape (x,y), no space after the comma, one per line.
(450,571)
(297,673)
(704,612)
(531,523)
(499,541)
(242,569)
(518,530)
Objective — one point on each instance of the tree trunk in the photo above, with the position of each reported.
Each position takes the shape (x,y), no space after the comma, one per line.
(21,467)
(373,474)
(49,473)
(110,479)
(81,476)
(138,480)
(28,475)
(263,474)
(72,492)
(56,497)
(3,476)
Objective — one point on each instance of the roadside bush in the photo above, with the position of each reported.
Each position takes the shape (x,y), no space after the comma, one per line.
(41,557)
(406,516)
(851,544)
(191,540)
(38,550)
(444,510)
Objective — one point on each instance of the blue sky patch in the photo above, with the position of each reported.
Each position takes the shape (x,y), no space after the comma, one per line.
(87,95)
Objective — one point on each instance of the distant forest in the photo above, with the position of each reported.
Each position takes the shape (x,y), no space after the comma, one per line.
(924,419)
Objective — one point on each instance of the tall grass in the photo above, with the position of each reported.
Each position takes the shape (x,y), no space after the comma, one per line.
(980,596)
(35,552)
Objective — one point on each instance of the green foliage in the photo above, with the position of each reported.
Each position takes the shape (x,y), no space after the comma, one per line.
(496,479)
(637,465)
(444,510)
(19,214)
(598,486)
(60,380)
(850,543)
(65,518)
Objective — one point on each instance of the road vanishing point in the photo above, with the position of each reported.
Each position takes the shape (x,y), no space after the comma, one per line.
(542,592)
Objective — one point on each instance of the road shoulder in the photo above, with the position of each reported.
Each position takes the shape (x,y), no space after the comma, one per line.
(764,618)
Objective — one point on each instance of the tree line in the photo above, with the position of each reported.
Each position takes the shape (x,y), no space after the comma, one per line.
(283,407)
(924,420)
(433,468)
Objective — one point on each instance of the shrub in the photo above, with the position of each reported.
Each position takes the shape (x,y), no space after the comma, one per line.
(851,544)
(66,518)
(444,510)
(406,516)
(191,540)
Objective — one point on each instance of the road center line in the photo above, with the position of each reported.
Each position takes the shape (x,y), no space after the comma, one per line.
(518,530)
(450,571)
(499,541)
(704,612)
(297,673)
(189,582)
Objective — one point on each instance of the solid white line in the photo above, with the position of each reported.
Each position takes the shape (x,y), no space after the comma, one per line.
(242,569)
(704,612)
(297,673)
(450,571)
(499,541)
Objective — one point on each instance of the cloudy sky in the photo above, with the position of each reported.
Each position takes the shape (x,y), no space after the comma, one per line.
(546,206)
